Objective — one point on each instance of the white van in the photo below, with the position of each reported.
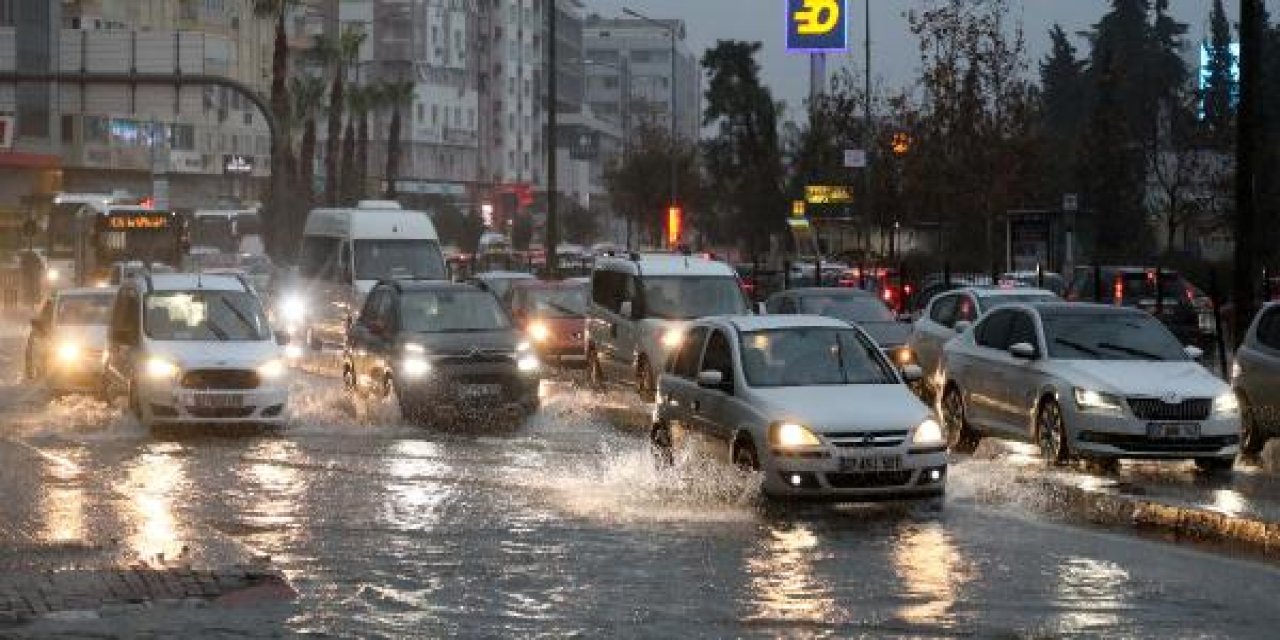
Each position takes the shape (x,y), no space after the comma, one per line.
(640,305)
(347,251)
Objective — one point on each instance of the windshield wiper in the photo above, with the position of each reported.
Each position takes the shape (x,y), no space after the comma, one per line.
(1130,350)
(218,332)
(1077,346)
(238,314)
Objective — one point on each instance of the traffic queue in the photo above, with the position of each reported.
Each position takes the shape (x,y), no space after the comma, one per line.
(827,391)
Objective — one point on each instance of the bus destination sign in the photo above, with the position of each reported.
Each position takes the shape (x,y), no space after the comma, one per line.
(137,221)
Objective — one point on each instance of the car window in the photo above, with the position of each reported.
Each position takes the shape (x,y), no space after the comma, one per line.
(451,312)
(719,356)
(943,310)
(850,308)
(1023,329)
(993,331)
(812,356)
(205,316)
(607,288)
(1269,329)
(966,309)
(1109,334)
(685,364)
(84,310)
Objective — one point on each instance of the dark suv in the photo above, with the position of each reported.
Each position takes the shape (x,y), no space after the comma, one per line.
(1180,306)
(442,349)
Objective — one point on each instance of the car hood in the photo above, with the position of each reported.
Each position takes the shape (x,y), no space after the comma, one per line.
(88,336)
(845,407)
(887,334)
(1134,378)
(217,355)
(462,343)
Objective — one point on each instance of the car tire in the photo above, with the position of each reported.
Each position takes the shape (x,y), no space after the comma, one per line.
(745,457)
(661,444)
(646,384)
(961,437)
(1215,466)
(1051,434)
(1252,437)
(595,372)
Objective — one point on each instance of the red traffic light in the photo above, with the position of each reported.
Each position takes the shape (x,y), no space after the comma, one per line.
(675,225)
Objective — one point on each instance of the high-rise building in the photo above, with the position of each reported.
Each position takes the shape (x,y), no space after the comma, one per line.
(630,74)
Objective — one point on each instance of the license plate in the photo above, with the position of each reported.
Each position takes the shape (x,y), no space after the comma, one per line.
(870,464)
(218,401)
(1173,430)
(480,390)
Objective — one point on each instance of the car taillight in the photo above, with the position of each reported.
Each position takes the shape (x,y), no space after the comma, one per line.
(1118,291)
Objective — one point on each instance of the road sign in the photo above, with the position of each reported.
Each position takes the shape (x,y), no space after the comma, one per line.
(815,26)
(236,163)
(855,158)
(828,194)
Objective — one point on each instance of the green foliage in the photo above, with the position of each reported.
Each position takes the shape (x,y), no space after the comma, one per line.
(638,181)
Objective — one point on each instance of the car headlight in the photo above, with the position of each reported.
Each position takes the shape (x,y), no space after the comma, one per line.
(293,309)
(789,435)
(538,331)
(413,348)
(272,370)
(929,432)
(524,347)
(52,275)
(904,356)
(528,363)
(161,369)
(1090,400)
(1226,404)
(416,366)
(68,352)
(672,339)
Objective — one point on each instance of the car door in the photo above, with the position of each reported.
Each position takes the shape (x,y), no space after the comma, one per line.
(932,331)
(1016,380)
(123,343)
(1260,364)
(679,387)
(714,413)
(981,384)
(368,335)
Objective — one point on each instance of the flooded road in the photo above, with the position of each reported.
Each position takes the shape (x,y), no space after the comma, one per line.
(564,527)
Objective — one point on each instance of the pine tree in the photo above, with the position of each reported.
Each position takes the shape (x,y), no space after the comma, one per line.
(1062,86)
(1220,83)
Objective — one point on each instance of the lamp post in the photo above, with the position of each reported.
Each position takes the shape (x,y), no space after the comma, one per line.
(671,33)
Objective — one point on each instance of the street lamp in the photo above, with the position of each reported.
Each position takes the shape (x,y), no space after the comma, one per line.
(671,33)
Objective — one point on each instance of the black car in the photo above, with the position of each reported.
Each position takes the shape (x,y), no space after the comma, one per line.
(1180,305)
(442,349)
(854,306)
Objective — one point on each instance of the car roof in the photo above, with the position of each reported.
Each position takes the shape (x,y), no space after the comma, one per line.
(192,281)
(504,275)
(1068,308)
(86,292)
(666,264)
(547,284)
(427,285)
(771,322)
(999,292)
(827,291)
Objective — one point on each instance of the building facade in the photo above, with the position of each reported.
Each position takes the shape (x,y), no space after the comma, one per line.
(629,74)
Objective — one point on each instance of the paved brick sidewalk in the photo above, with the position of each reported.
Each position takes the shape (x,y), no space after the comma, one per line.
(27,596)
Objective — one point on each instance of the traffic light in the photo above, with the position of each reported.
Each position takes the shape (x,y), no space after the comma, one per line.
(675,225)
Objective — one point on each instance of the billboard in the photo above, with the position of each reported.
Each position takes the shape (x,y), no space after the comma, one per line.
(817,26)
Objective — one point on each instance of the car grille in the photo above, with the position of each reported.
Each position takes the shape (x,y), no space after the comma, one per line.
(489,357)
(867,439)
(869,480)
(221,412)
(1156,409)
(220,379)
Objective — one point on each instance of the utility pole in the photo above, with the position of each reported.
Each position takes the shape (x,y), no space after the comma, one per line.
(552,235)
(1242,282)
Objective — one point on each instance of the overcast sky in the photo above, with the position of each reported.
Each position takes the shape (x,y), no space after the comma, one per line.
(894,57)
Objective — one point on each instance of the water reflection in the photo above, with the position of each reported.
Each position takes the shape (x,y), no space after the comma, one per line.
(152,483)
(62,503)
(1229,501)
(933,573)
(1092,593)
(414,495)
(275,485)
(783,580)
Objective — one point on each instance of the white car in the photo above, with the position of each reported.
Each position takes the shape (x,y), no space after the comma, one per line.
(195,349)
(1095,381)
(68,339)
(811,402)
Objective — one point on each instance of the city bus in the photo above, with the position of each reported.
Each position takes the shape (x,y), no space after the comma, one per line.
(125,234)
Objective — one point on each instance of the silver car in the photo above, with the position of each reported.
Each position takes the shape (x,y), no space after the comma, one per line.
(1095,381)
(809,401)
(949,314)
(1255,376)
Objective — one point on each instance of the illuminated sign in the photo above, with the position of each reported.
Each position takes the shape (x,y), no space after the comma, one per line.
(797,208)
(827,194)
(234,163)
(134,221)
(817,25)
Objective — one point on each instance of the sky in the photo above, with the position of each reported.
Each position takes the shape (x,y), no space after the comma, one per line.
(894,59)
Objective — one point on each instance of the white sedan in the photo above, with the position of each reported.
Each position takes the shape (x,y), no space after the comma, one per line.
(1094,381)
(809,401)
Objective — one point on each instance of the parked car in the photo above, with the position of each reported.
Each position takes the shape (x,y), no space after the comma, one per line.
(1255,376)
(809,401)
(1097,381)
(195,349)
(552,316)
(950,314)
(440,349)
(1180,306)
(854,306)
(68,339)
(640,306)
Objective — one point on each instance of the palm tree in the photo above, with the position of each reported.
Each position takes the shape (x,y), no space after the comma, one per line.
(277,9)
(355,108)
(396,95)
(308,97)
(337,55)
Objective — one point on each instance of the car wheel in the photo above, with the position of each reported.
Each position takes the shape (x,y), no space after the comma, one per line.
(1215,465)
(1252,438)
(960,435)
(744,456)
(1051,434)
(661,443)
(595,372)
(645,383)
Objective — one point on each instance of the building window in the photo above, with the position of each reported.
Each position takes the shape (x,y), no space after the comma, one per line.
(457,116)
(68,123)
(435,115)
(182,137)
(422,112)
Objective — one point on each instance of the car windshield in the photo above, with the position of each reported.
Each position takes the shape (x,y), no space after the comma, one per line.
(812,356)
(685,297)
(85,310)
(1110,336)
(565,302)
(851,308)
(391,259)
(991,302)
(204,315)
(451,312)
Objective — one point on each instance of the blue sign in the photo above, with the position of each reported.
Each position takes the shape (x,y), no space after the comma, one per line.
(817,26)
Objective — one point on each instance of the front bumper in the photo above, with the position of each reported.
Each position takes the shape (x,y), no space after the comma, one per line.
(923,474)
(174,405)
(471,387)
(74,379)
(1125,436)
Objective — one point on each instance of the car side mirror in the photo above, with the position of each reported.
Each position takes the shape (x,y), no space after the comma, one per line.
(912,373)
(1195,353)
(625,309)
(710,379)
(282,338)
(963,326)
(1023,351)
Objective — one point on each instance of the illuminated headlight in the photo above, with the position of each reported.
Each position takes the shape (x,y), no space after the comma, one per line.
(904,356)
(789,436)
(416,366)
(272,370)
(524,347)
(929,432)
(672,339)
(293,309)
(538,331)
(1090,400)
(293,352)
(161,369)
(101,284)
(1226,404)
(528,363)
(69,352)
(52,275)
